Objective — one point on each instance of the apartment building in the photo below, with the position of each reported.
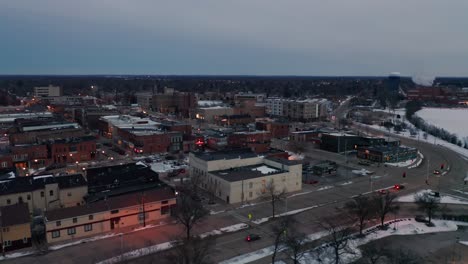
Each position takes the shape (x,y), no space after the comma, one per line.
(309,109)
(110,215)
(47,91)
(44,192)
(15,227)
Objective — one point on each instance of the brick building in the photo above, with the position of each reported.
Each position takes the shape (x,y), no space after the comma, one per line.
(276,129)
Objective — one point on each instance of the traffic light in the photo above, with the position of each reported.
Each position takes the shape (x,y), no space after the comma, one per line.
(404,174)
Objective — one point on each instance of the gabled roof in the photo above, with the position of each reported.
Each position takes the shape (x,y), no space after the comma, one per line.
(32,183)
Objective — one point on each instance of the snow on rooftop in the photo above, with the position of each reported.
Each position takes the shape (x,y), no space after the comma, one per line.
(265,169)
(204,103)
(43,176)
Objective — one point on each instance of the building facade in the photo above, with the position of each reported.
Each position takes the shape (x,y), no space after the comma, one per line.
(44,192)
(47,91)
(239,176)
(15,227)
(114,214)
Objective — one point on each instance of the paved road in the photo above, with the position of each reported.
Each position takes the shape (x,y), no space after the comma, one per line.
(325,199)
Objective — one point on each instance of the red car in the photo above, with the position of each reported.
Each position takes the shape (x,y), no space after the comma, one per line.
(252,237)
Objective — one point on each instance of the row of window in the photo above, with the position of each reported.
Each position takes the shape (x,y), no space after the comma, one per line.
(75,220)
(72,230)
(28,197)
(7,243)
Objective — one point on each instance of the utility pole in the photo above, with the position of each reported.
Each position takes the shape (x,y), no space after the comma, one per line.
(427,173)
(1,234)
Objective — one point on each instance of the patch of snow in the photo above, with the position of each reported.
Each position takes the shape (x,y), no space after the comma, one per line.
(42,177)
(138,253)
(324,188)
(444,199)
(362,172)
(265,169)
(227,229)
(421,158)
(216,212)
(141,163)
(464,243)
(403,227)
(346,183)
(85,240)
(402,163)
(17,255)
(12,175)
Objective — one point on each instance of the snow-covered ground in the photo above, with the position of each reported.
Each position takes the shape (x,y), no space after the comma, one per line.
(402,227)
(430,139)
(138,253)
(453,120)
(402,163)
(444,198)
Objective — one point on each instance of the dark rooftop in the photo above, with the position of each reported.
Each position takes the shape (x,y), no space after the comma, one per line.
(14,214)
(284,161)
(247,172)
(119,176)
(31,183)
(112,203)
(225,154)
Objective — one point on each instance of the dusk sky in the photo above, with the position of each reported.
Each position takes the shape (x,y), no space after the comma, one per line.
(253,37)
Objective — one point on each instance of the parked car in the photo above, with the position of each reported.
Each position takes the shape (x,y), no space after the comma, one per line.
(436,172)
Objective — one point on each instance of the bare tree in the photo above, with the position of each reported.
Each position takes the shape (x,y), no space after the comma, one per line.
(296,147)
(428,203)
(271,193)
(295,245)
(339,234)
(385,204)
(279,230)
(188,212)
(402,256)
(362,208)
(372,253)
(190,251)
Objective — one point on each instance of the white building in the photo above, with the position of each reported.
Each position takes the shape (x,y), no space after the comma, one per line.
(274,106)
(239,176)
(48,91)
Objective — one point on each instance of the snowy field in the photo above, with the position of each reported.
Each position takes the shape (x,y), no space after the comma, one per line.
(444,199)
(454,120)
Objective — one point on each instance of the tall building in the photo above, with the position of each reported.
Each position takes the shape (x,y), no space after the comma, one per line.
(174,102)
(393,82)
(48,91)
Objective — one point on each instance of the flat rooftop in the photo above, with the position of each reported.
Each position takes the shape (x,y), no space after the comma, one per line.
(226,154)
(247,172)
(127,121)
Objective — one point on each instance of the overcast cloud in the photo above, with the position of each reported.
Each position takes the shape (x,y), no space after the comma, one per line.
(284,37)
